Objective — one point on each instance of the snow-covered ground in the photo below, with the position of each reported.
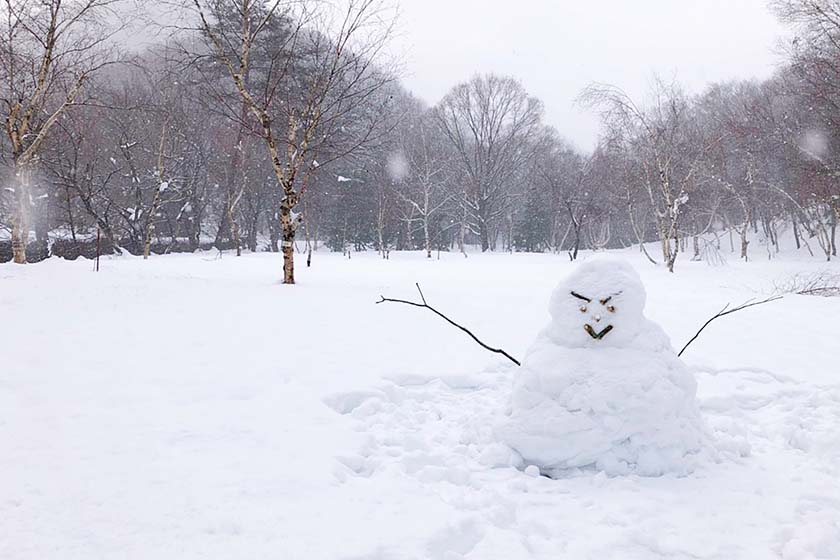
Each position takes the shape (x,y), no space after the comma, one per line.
(192,407)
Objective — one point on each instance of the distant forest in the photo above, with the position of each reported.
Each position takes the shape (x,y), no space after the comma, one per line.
(281,126)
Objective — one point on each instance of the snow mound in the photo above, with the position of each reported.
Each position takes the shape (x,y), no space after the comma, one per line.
(601,386)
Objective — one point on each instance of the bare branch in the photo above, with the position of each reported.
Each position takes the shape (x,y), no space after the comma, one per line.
(726,311)
(450,321)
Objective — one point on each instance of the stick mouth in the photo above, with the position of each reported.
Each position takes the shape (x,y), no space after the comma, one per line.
(597,335)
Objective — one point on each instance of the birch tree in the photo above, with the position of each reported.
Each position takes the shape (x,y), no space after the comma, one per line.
(297,114)
(426,185)
(660,137)
(48,51)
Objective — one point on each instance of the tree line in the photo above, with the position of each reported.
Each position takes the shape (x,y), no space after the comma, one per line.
(283,126)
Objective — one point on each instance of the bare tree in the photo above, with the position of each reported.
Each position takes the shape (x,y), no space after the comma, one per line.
(668,154)
(48,50)
(422,166)
(488,120)
(814,77)
(339,59)
(562,174)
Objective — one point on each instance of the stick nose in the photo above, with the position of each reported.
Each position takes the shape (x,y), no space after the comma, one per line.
(597,318)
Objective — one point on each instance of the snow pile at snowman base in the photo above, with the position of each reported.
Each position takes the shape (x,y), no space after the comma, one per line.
(602,387)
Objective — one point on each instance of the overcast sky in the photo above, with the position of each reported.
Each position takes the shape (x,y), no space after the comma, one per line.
(557,47)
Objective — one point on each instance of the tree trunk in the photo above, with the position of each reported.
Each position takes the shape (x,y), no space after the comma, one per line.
(288,229)
(380,229)
(20,221)
(70,221)
(426,239)
(573,253)
(483,225)
(744,241)
(219,242)
(150,225)
(252,233)
(194,233)
(234,230)
(484,235)
(672,255)
(381,241)
(273,230)
(559,246)
(669,251)
(510,234)
(462,231)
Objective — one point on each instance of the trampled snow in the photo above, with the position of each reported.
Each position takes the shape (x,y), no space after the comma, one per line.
(192,407)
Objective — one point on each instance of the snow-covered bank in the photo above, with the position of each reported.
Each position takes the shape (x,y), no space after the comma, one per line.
(194,407)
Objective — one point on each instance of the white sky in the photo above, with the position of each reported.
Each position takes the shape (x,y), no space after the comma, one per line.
(557,47)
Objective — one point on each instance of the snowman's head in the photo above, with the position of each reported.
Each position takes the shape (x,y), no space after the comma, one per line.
(599,304)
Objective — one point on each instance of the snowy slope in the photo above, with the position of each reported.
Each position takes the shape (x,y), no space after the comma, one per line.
(192,407)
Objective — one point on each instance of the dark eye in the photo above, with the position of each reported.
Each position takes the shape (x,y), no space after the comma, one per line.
(583,309)
(611,308)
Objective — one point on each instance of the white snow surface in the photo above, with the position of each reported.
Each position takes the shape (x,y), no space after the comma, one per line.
(617,399)
(193,407)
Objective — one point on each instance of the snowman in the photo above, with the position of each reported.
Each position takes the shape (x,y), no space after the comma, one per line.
(601,387)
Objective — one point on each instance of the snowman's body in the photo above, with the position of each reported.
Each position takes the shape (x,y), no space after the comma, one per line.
(601,386)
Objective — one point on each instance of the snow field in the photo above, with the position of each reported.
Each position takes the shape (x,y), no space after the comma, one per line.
(194,407)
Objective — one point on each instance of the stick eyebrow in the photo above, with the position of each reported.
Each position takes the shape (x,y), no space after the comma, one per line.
(584,298)
(605,301)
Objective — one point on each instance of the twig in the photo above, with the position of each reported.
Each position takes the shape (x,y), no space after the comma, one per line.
(448,320)
(727,311)
(98,248)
